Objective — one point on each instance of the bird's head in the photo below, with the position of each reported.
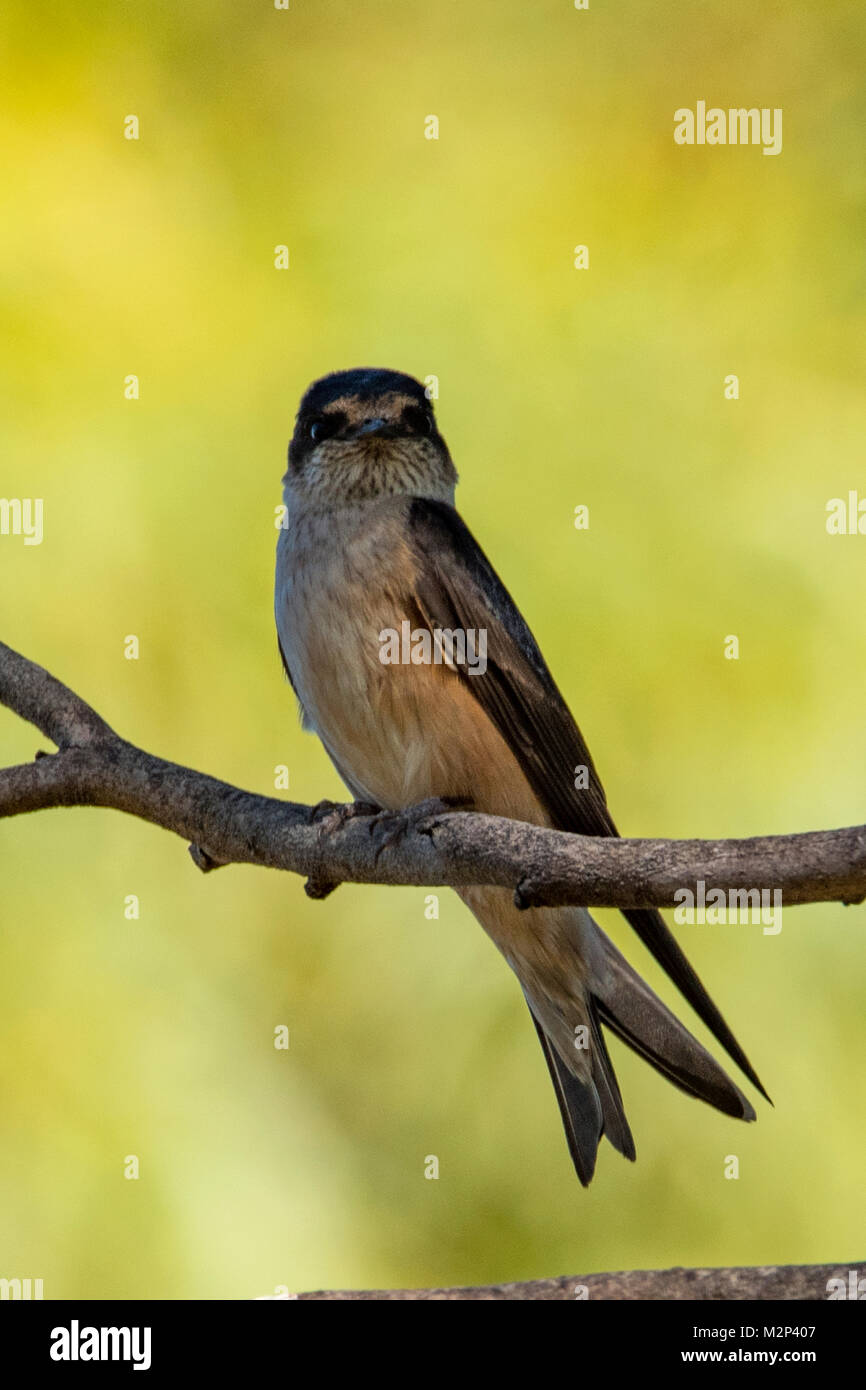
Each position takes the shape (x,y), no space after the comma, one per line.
(364,434)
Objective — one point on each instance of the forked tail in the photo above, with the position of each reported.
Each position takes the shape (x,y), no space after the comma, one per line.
(620,1000)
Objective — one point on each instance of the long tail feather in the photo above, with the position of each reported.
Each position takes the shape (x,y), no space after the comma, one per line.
(591,1106)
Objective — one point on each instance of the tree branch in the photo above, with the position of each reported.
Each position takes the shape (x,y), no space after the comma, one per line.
(94,766)
(781,1282)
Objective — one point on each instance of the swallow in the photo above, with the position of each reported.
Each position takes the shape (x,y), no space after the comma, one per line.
(372,545)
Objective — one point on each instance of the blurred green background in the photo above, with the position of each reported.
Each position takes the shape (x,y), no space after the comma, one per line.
(558,387)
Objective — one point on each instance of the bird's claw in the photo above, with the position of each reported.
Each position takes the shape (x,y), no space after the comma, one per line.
(330,816)
(386,827)
(391,827)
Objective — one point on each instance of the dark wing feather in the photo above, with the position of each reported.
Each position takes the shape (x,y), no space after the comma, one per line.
(286,665)
(579,1106)
(457,587)
(302,713)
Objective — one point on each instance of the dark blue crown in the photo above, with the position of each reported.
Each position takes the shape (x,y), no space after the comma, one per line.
(365,382)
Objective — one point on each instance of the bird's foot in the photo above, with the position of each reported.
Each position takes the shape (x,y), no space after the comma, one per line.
(328,817)
(391,827)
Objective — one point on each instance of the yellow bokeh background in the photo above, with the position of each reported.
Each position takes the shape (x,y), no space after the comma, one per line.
(558,387)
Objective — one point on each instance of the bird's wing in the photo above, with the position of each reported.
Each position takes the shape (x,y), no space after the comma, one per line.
(457,587)
(302,713)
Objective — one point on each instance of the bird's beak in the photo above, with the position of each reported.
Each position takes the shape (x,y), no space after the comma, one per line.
(377,426)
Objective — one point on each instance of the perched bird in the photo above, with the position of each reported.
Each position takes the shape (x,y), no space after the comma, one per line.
(372,545)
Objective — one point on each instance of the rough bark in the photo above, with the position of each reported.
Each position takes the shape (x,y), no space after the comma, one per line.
(780,1282)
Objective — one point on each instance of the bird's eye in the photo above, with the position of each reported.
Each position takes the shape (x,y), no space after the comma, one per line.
(418,420)
(326,426)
